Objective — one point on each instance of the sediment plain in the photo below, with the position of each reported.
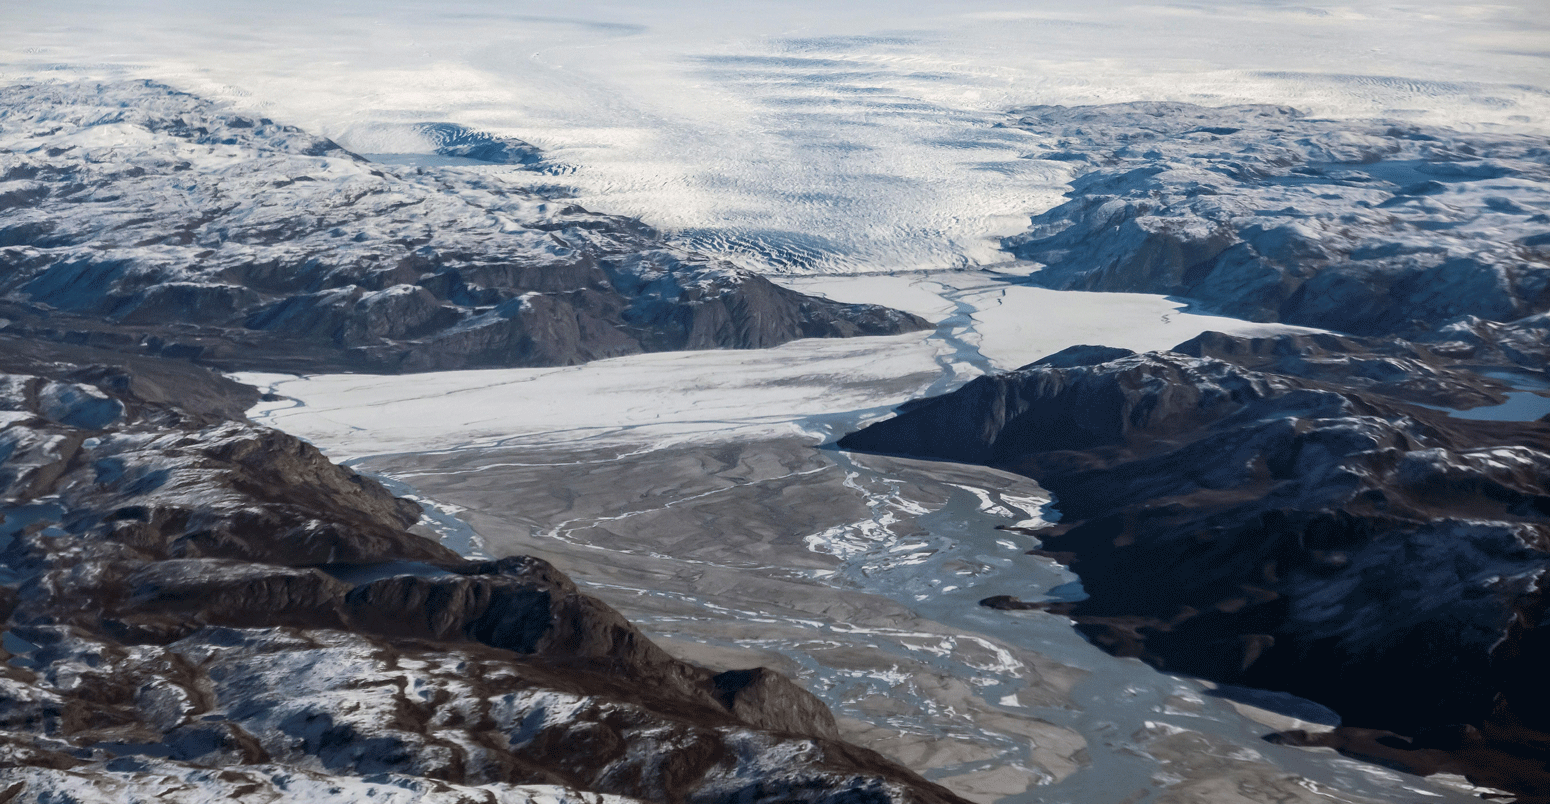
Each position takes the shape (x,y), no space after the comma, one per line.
(693,493)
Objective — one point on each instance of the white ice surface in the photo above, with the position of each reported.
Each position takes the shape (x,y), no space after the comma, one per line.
(921,294)
(656,398)
(1019,324)
(804,134)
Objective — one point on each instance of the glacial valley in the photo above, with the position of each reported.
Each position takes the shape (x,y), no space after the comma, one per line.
(1088,403)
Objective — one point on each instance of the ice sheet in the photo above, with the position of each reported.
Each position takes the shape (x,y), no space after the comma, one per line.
(800,135)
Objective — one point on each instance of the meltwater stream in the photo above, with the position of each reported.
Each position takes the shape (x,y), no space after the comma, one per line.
(1118,698)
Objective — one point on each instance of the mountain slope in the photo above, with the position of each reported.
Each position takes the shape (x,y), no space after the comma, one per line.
(1311,534)
(1260,212)
(198,609)
(143,219)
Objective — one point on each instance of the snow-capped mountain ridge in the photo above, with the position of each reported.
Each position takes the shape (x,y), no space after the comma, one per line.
(1369,227)
(132,210)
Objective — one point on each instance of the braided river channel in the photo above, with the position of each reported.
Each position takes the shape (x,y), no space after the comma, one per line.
(694,493)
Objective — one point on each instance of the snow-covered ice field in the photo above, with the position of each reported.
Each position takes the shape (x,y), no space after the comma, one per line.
(800,135)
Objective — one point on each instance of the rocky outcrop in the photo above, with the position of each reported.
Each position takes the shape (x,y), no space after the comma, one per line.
(1524,342)
(1298,527)
(198,609)
(141,219)
(1333,515)
(1372,228)
(1442,373)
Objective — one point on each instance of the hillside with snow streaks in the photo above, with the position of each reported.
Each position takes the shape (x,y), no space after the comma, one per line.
(1261,212)
(134,216)
(199,609)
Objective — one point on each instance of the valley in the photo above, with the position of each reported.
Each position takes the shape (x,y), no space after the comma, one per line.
(1097,403)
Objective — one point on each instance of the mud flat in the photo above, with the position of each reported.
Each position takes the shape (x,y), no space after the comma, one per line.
(858,576)
(720,553)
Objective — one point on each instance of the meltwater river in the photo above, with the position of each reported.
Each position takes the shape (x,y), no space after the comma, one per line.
(693,492)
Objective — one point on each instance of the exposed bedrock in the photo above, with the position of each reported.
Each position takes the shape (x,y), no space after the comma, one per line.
(142,219)
(1368,227)
(1441,372)
(1314,513)
(1311,533)
(210,610)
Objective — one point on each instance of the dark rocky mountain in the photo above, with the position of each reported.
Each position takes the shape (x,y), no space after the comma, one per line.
(142,219)
(1260,212)
(1359,517)
(1465,371)
(198,609)
(1292,525)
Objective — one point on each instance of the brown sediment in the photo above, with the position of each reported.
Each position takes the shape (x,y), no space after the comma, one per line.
(743,550)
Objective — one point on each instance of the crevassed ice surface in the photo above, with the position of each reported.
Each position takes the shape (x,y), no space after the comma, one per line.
(801,135)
